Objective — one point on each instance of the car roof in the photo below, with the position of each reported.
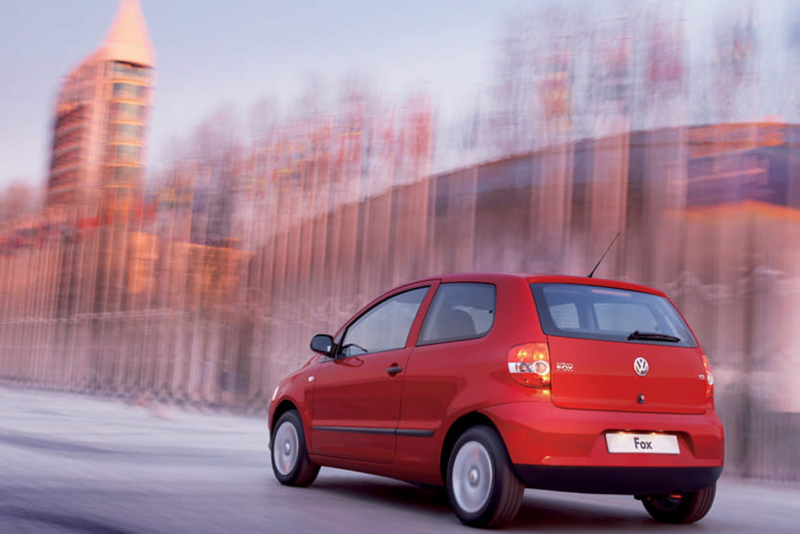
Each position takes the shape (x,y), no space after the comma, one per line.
(541,278)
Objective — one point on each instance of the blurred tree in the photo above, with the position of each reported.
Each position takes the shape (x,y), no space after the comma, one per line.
(216,145)
(313,98)
(529,44)
(18,199)
(355,102)
(263,120)
(511,121)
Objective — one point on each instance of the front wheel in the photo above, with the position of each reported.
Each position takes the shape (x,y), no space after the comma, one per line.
(483,488)
(290,461)
(682,508)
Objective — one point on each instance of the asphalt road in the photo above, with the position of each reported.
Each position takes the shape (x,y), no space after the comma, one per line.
(73,464)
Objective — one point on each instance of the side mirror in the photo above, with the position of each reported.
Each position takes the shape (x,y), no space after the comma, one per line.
(322,344)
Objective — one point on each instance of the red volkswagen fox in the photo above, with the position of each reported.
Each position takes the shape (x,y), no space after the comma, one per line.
(491,383)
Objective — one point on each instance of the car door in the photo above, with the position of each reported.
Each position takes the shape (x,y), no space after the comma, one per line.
(357,394)
(449,358)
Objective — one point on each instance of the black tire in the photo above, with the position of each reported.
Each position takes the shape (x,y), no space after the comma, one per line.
(299,471)
(504,493)
(687,508)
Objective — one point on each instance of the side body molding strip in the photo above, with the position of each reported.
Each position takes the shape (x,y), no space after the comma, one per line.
(410,432)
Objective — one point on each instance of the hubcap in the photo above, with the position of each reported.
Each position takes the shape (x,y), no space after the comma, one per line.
(472,476)
(284,450)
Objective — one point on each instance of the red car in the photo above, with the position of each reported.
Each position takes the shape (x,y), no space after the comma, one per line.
(491,383)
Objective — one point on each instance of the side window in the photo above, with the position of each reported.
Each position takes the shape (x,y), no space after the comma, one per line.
(385,326)
(459,311)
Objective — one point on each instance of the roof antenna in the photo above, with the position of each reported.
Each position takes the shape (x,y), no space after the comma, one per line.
(604,254)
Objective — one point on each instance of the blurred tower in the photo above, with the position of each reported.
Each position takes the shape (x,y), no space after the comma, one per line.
(102,115)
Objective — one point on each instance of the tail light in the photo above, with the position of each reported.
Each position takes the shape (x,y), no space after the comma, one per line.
(709,379)
(529,365)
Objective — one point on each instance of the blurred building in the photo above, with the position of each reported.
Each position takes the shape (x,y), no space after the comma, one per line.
(208,289)
(102,117)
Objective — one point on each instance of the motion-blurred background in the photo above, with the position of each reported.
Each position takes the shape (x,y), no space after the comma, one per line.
(199,275)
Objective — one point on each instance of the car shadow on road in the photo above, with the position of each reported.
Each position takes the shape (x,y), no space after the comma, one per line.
(389,492)
(539,510)
(543,513)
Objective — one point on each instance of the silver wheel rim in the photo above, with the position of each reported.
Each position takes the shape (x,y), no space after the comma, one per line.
(472,476)
(284,450)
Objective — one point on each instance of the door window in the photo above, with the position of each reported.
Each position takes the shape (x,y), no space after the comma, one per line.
(385,326)
(459,311)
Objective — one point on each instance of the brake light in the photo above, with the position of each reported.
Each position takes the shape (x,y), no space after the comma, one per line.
(529,365)
(709,379)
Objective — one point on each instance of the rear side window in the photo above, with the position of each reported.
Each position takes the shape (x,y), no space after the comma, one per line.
(609,314)
(459,311)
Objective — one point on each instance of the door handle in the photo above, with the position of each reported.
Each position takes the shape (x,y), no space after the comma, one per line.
(393,370)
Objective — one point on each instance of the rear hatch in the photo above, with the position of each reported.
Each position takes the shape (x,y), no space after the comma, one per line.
(619,350)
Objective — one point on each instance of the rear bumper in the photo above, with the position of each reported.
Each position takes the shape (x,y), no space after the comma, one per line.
(564,449)
(618,480)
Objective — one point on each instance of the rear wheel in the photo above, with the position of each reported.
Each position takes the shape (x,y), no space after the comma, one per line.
(681,508)
(290,461)
(483,488)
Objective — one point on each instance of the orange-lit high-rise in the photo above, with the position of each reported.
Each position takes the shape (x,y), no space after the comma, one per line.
(102,116)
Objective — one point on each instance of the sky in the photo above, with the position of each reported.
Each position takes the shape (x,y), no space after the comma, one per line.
(212,53)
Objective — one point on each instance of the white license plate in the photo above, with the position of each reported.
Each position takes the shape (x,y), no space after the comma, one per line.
(623,442)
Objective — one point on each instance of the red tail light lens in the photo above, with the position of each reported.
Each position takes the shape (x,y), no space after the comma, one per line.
(709,379)
(529,365)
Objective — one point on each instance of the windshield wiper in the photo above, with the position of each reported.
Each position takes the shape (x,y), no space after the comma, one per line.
(652,336)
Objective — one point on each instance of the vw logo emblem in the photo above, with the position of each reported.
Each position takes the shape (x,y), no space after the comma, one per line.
(641,366)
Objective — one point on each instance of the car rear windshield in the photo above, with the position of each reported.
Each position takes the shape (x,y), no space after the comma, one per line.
(609,314)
